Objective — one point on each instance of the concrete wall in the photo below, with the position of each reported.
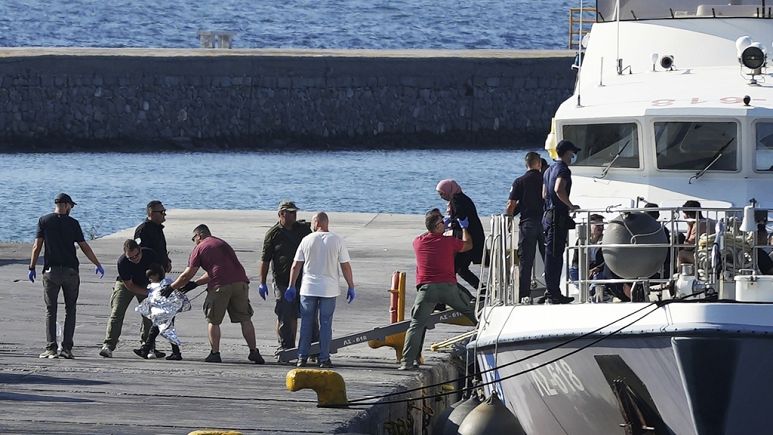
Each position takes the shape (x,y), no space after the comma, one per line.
(128,100)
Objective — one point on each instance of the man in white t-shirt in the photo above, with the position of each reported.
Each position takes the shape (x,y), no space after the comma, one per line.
(319,254)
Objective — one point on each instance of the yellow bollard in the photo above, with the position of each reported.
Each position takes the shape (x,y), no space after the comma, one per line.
(395,341)
(329,385)
(401,298)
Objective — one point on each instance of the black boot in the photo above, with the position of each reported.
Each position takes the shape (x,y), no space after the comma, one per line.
(143,351)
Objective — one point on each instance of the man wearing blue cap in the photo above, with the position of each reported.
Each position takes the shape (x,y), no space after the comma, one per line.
(557,185)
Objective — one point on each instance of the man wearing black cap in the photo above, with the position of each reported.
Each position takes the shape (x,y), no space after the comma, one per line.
(557,185)
(279,246)
(59,233)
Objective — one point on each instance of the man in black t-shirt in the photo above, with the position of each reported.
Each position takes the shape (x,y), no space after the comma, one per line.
(59,233)
(279,246)
(150,233)
(526,199)
(132,282)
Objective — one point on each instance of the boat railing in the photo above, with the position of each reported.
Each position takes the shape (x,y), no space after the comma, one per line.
(706,247)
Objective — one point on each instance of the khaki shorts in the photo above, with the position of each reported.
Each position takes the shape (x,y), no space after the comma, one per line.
(233,298)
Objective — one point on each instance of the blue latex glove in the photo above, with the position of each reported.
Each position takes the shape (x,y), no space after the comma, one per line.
(99,271)
(290,294)
(464,223)
(263,291)
(447,221)
(350,295)
(32,275)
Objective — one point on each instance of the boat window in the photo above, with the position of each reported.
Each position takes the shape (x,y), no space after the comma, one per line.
(606,10)
(695,145)
(601,143)
(763,159)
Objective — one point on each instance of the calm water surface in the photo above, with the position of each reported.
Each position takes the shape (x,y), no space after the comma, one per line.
(289,23)
(112,189)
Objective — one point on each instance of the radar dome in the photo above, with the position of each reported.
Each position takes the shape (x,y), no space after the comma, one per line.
(634,229)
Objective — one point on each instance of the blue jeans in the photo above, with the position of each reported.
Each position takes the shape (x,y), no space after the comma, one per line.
(310,306)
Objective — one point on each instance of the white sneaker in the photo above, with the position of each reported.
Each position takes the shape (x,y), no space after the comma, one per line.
(106,352)
(49,354)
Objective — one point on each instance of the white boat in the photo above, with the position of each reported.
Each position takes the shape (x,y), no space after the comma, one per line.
(673,102)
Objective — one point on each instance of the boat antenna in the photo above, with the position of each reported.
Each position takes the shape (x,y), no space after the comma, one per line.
(714,159)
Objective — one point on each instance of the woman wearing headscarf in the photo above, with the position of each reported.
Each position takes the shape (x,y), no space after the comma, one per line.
(460,206)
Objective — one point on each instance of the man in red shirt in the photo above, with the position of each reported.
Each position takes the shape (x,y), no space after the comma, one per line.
(227,289)
(435,281)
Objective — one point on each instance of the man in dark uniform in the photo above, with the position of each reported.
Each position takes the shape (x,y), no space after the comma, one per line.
(150,233)
(132,282)
(279,246)
(59,233)
(556,221)
(526,198)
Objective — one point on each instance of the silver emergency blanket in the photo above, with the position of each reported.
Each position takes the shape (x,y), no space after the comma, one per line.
(161,311)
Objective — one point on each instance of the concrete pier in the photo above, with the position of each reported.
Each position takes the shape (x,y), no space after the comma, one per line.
(126,100)
(126,394)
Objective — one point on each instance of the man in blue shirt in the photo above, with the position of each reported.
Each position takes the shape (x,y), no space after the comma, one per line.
(556,221)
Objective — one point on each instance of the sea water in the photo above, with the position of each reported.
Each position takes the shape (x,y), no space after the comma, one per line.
(370,24)
(112,189)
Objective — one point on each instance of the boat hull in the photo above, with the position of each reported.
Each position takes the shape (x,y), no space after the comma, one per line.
(699,383)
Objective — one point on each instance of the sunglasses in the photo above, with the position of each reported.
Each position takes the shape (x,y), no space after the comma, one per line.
(158,211)
(193,239)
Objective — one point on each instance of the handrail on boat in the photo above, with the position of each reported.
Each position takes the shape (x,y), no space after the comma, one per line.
(717,258)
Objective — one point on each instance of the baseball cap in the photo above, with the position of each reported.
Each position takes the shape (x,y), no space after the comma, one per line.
(63,198)
(565,146)
(287,206)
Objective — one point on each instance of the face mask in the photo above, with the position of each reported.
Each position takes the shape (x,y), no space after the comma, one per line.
(574,159)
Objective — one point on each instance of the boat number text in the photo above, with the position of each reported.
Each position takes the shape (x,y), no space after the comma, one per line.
(554,378)
(697,100)
(355,340)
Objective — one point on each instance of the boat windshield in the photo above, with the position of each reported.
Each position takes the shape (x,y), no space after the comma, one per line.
(661,9)
(763,161)
(601,143)
(694,145)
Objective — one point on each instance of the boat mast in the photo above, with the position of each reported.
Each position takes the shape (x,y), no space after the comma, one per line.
(579,54)
(619,61)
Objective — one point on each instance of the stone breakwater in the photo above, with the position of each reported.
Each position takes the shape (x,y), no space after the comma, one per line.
(140,99)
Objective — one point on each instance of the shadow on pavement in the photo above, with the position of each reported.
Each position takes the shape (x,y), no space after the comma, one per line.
(18,378)
(20,397)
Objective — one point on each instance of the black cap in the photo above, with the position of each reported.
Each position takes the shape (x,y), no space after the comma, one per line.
(565,146)
(287,206)
(63,198)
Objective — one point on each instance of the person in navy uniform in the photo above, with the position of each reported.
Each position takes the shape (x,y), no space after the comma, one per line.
(556,222)
(526,199)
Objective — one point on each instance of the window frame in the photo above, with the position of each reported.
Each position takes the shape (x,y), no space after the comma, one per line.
(754,131)
(585,122)
(738,140)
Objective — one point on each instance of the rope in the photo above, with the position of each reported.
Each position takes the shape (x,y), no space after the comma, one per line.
(554,347)
(522,372)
